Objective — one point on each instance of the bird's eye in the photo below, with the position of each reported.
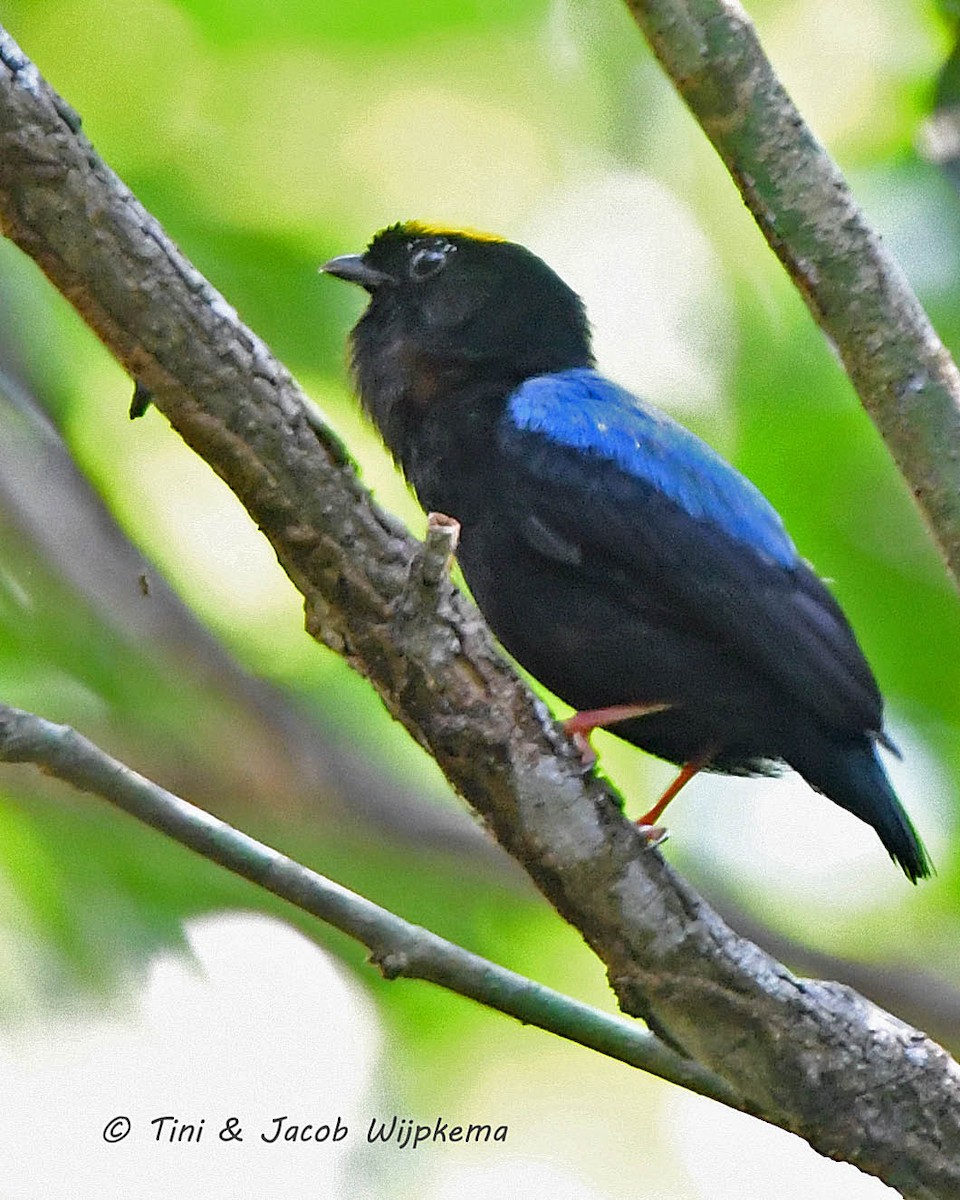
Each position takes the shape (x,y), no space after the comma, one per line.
(428,260)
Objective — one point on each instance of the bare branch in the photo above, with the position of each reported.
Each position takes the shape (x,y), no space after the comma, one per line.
(812,1057)
(397,947)
(855,290)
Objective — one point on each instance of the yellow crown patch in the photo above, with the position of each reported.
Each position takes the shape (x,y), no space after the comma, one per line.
(418,229)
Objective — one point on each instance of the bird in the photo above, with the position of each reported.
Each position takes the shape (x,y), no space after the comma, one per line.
(616,556)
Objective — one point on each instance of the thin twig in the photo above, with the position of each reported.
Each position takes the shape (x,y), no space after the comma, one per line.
(399,948)
(853,286)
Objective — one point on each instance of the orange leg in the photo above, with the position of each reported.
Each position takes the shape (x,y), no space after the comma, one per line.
(694,767)
(582,724)
(599,718)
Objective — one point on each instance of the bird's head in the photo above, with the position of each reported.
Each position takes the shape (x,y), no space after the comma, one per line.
(449,308)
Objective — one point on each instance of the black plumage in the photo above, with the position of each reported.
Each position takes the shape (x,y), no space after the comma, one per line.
(615,555)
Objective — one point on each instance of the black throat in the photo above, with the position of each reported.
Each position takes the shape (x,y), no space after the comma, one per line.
(437,414)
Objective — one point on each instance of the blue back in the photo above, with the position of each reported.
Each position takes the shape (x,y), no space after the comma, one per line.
(581,409)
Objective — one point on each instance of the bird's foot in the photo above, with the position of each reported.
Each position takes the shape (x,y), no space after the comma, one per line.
(588,756)
(652,835)
(582,724)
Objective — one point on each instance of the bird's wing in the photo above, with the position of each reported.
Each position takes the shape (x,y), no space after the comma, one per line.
(601,479)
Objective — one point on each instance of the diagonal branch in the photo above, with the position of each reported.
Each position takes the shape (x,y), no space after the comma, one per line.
(854,288)
(814,1058)
(399,949)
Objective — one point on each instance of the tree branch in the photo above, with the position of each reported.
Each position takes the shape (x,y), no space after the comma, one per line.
(856,291)
(399,949)
(814,1058)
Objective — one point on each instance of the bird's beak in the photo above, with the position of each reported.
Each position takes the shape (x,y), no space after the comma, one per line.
(355,269)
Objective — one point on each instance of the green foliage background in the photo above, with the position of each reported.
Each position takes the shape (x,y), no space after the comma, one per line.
(267,138)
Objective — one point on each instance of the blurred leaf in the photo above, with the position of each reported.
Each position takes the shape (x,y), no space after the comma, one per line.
(371,21)
(267,139)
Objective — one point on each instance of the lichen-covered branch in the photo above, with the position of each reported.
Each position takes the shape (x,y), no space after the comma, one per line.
(855,290)
(814,1058)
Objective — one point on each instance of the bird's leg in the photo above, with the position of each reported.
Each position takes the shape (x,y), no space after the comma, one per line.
(582,724)
(648,822)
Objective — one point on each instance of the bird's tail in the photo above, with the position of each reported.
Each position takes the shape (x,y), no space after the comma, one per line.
(855,778)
